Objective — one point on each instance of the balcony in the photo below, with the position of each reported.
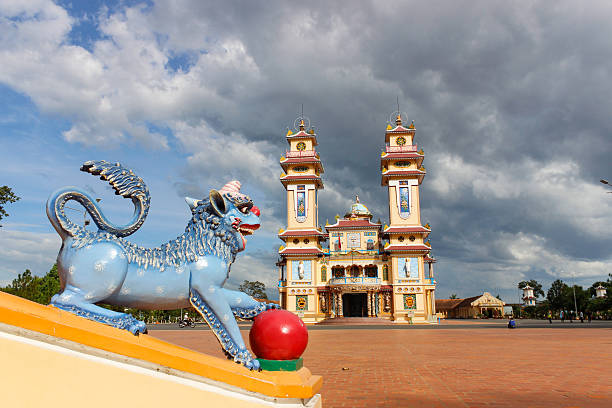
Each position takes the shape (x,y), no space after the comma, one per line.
(400,149)
(354,280)
(300,153)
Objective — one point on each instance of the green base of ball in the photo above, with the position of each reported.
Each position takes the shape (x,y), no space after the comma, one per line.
(281,365)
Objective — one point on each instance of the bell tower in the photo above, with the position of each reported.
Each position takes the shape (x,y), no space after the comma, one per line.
(402,173)
(302,238)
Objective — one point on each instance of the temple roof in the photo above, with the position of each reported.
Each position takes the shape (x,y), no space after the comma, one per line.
(352,224)
(285,179)
(300,251)
(301,233)
(358,211)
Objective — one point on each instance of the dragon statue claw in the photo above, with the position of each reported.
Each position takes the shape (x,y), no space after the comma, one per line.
(103,267)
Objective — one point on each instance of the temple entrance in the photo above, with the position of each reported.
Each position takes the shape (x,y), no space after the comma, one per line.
(355,305)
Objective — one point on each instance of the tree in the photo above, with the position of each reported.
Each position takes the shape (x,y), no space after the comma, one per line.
(256,289)
(34,288)
(537,287)
(6,196)
(556,295)
(453,296)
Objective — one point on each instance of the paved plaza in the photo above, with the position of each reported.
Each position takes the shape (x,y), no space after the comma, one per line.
(456,364)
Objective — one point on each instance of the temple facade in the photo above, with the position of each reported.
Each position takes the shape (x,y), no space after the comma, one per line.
(356,267)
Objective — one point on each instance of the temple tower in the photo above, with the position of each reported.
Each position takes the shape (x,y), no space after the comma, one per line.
(402,174)
(302,238)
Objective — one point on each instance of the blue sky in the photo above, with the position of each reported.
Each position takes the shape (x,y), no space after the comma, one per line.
(511,107)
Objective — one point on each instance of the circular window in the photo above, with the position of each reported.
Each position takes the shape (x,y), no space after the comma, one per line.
(301,146)
(306,241)
(400,141)
(401,239)
(296,241)
(411,238)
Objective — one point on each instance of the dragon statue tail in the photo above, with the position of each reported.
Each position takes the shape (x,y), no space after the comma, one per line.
(126,184)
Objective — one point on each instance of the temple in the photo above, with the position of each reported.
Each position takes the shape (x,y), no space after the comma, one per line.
(356,267)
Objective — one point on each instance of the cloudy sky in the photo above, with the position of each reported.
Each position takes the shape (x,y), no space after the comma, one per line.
(511,101)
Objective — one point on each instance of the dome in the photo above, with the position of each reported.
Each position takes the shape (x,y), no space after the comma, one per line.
(358,210)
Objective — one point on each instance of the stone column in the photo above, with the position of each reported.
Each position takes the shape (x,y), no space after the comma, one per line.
(340,312)
(369,304)
(374,314)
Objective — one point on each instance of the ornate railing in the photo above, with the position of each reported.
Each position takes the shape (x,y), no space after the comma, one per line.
(360,252)
(352,280)
(400,149)
(301,153)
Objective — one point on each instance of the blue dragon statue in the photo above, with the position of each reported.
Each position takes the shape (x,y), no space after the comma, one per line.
(192,269)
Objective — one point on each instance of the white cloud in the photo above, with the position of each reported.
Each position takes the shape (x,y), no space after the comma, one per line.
(20,250)
(551,189)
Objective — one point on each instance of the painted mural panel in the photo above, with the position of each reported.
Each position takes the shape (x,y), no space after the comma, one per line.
(408,268)
(301,303)
(404,199)
(301,206)
(301,270)
(410,301)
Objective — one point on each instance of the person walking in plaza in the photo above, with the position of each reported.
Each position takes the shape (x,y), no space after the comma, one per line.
(569,315)
(549,317)
(562,316)
(590,316)
(581,317)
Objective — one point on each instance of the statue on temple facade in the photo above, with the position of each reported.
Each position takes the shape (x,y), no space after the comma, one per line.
(101,266)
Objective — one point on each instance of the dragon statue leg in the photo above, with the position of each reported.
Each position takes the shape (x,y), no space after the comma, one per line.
(216,311)
(244,306)
(73,300)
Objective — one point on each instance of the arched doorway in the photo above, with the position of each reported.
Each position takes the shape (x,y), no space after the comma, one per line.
(355,305)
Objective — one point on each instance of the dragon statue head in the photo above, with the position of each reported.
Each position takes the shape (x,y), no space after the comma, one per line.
(236,213)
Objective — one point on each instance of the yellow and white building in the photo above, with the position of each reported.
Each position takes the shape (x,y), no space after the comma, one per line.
(356,268)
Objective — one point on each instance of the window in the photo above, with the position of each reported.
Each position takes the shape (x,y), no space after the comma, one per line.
(323,274)
(385,272)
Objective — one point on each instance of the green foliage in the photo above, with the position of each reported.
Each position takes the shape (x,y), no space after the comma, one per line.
(537,287)
(453,296)
(256,289)
(555,295)
(34,288)
(6,196)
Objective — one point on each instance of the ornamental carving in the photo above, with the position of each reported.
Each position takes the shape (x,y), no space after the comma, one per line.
(387,302)
(323,302)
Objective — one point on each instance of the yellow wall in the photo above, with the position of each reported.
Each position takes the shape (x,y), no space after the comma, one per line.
(43,374)
(408,136)
(25,316)
(391,165)
(294,142)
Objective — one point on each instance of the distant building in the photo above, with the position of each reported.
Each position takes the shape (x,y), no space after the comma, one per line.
(485,305)
(600,292)
(528,298)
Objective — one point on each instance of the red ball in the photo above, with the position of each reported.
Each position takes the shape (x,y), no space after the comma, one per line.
(278,335)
